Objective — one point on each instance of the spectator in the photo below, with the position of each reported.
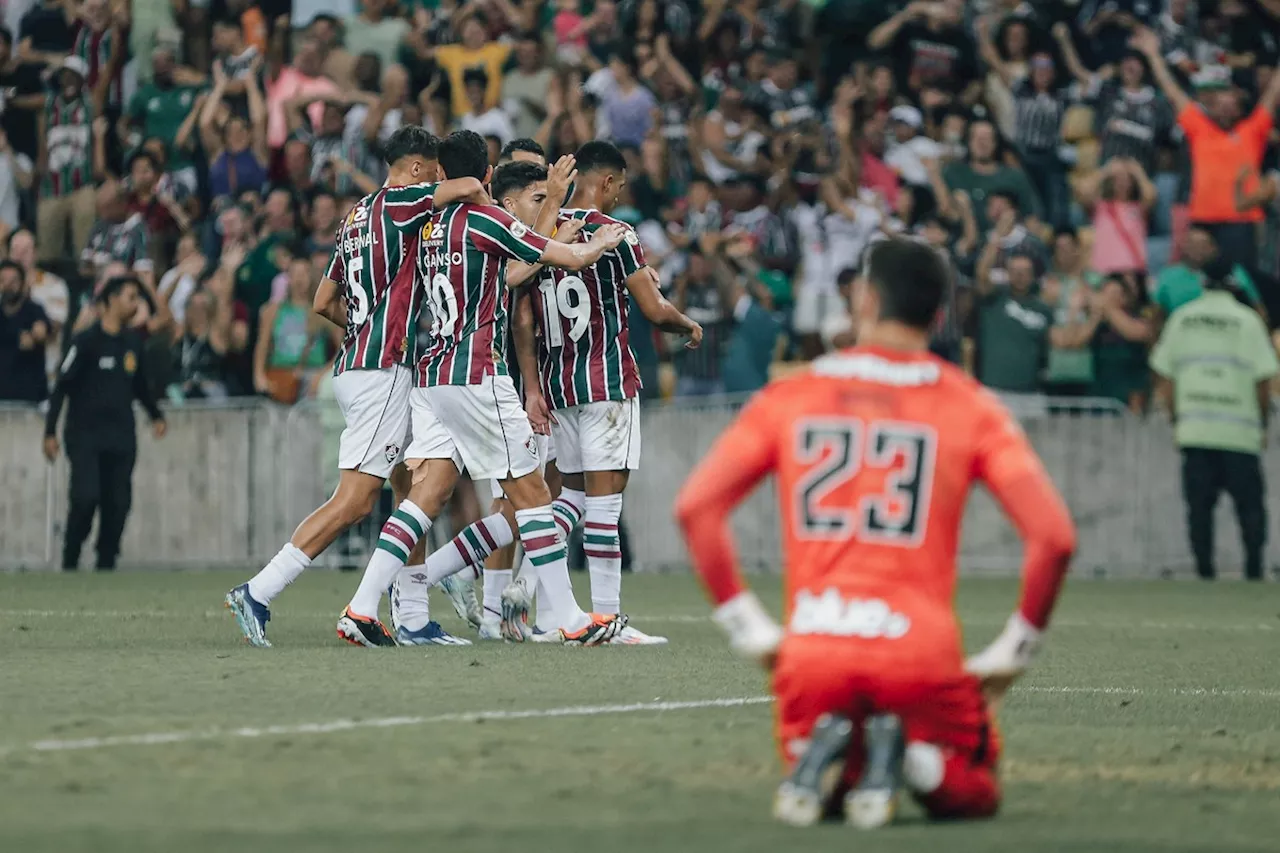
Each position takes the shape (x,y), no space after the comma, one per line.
(731,140)
(46,290)
(24,98)
(1221,144)
(910,149)
(162,215)
(524,88)
(695,293)
(119,236)
(324,224)
(627,107)
(336,62)
(199,350)
(1011,237)
(1132,119)
(271,255)
(293,343)
(47,32)
(782,97)
(168,111)
(179,284)
(475,51)
(1068,289)
(982,174)
(753,331)
(239,59)
(1119,344)
(1184,281)
(16,171)
(101,43)
(237,150)
(337,162)
(24,330)
(1214,364)
(1119,198)
(486,122)
(935,57)
(375,31)
(1013,326)
(69,159)
(301,80)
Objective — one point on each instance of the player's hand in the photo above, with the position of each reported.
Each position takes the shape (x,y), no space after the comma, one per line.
(51,447)
(1001,663)
(695,337)
(610,236)
(569,231)
(540,417)
(159,428)
(559,177)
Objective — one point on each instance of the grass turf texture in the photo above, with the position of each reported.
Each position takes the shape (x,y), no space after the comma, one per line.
(1183,754)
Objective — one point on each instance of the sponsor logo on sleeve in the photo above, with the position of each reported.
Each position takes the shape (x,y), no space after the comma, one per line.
(631,238)
(518,230)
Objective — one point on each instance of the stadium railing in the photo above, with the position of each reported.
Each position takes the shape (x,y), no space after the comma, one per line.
(231,481)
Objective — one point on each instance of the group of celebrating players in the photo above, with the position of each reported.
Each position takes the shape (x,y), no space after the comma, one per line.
(450,235)
(873,451)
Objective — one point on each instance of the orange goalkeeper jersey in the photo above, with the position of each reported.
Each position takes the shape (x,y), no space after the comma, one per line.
(873,453)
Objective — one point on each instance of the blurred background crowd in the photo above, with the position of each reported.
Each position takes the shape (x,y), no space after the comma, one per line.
(1078,161)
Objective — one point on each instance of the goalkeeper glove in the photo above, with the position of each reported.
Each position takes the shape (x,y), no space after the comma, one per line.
(752,632)
(1009,654)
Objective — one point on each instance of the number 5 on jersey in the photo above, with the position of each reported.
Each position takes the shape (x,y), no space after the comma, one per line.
(838,449)
(357,297)
(565,298)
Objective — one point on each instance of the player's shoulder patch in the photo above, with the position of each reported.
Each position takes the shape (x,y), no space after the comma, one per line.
(517,229)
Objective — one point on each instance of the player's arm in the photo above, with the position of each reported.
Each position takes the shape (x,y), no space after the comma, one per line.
(459,189)
(740,459)
(1012,472)
(577,256)
(522,333)
(329,304)
(643,287)
(559,178)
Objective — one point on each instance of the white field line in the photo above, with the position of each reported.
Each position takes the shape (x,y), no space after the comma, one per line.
(335,726)
(669,619)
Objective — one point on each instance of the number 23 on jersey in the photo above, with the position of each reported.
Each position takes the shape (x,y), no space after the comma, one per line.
(834,451)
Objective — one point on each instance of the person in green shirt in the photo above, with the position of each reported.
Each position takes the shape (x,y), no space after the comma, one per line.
(159,109)
(982,175)
(1180,283)
(1214,363)
(1068,288)
(1013,326)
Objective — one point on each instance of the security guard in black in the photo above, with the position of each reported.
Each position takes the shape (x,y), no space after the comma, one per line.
(102,374)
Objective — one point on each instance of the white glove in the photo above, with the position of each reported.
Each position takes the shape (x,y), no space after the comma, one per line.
(752,632)
(1010,653)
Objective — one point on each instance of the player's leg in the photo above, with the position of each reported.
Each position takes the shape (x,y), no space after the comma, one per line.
(609,448)
(435,466)
(374,405)
(952,749)
(499,571)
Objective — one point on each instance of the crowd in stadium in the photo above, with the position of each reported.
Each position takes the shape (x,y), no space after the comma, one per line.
(211,148)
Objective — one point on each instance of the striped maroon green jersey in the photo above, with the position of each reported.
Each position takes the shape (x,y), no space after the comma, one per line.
(373,262)
(462,264)
(584,353)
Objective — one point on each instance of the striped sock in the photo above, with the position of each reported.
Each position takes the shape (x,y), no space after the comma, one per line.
(604,552)
(402,531)
(568,510)
(470,548)
(547,553)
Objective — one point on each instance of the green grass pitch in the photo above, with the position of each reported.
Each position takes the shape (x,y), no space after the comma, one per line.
(1151,723)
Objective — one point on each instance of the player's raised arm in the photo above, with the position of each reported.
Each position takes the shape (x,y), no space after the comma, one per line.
(742,457)
(1012,472)
(579,256)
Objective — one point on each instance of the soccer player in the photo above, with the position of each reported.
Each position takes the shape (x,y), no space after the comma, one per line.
(465,410)
(587,373)
(873,451)
(522,150)
(368,291)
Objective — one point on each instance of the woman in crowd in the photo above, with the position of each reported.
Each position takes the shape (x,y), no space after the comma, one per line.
(1119,198)
(294,345)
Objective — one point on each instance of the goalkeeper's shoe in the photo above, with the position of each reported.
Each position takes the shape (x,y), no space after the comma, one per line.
(601,629)
(629,636)
(540,636)
(517,601)
(874,800)
(490,626)
(431,635)
(251,616)
(363,631)
(801,799)
(462,595)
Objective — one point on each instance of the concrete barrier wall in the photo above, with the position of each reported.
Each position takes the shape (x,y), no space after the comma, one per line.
(229,484)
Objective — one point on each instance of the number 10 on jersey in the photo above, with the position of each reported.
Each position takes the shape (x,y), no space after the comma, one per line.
(566,298)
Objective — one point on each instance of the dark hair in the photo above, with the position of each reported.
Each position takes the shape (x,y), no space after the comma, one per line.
(1205,227)
(1009,196)
(464,154)
(14,265)
(511,178)
(143,154)
(1218,273)
(1065,231)
(411,141)
(6,35)
(599,155)
(475,75)
(910,279)
(529,146)
(116,284)
(846,276)
(230,23)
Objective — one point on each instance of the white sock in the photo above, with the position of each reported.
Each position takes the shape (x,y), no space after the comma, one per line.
(495,581)
(923,767)
(283,570)
(546,550)
(470,548)
(568,509)
(413,605)
(545,619)
(402,531)
(604,552)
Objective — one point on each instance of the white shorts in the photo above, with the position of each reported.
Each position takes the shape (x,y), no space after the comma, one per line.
(429,439)
(486,424)
(375,406)
(598,436)
(546,454)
